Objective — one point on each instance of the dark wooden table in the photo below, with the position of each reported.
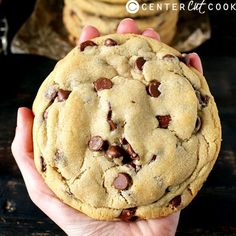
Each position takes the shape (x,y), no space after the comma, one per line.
(213,211)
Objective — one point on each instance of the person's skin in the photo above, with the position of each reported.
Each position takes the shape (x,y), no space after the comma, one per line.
(68,219)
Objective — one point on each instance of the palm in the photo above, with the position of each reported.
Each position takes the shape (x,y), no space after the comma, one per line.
(84,225)
(165,226)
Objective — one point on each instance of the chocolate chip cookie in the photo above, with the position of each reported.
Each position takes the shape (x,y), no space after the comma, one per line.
(75,19)
(116,1)
(111,9)
(124,129)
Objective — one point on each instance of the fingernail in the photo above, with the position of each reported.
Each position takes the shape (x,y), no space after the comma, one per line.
(126,19)
(150,32)
(19,118)
(189,58)
(86,27)
(128,25)
(88,32)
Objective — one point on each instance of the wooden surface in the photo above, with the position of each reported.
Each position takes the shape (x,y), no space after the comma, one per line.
(212,212)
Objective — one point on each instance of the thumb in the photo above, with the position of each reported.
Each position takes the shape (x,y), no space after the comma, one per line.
(22,143)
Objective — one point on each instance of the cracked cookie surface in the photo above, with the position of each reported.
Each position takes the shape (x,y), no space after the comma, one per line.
(124,129)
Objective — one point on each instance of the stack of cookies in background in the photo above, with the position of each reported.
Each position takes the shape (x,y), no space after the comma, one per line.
(106,14)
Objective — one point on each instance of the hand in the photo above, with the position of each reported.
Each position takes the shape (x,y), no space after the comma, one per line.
(69,219)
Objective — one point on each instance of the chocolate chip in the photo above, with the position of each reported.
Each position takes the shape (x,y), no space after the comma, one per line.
(198,125)
(128,214)
(128,152)
(43,164)
(154,157)
(109,115)
(110,42)
(168,57)
(102,83)
(139,63)
(132,153)
(176,201)
(72,13)
(62,95)
(152,89)
(105,145)
(122,181)
(164,121)
(112,124)
(86,44)
(96,143)
(114,152)
(203,99)
(123,141)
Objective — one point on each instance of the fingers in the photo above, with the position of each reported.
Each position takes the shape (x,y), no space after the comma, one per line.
(192,59)
(87,33)
(152,34)
(127,26)
(130,26)
(22,146)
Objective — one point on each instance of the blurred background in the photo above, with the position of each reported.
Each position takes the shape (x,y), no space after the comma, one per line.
(212,212)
